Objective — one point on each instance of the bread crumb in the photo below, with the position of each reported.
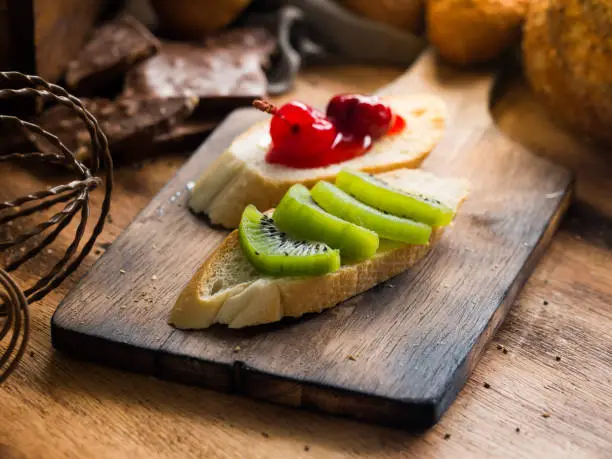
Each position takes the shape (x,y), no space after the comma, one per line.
(122,271)
(546,415)
(237,349)
(351,357)
(154,277)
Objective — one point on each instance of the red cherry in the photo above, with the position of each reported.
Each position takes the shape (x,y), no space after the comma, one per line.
(360,115)
(301,136)
(372,117)
(340,110)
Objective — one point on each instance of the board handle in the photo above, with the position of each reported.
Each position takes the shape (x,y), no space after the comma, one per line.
(466,92)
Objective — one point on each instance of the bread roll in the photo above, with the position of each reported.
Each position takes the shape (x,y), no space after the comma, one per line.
(472,31)
(568,62)
(403,14)
(194,19)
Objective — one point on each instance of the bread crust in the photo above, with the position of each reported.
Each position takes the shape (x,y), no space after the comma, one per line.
(274,298)
(471,31)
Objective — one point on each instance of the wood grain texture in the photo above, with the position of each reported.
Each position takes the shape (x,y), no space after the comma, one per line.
(415,339)
(56,407)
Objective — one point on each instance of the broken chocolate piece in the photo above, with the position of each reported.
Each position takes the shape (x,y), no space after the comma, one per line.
(224,72)
(245,39)
(129,124)
(112,50)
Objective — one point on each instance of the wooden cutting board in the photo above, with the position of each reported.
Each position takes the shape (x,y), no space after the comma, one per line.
(413,341)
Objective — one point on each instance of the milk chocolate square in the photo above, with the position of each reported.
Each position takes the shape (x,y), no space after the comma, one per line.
(113,49)
(224,71)
(130,125)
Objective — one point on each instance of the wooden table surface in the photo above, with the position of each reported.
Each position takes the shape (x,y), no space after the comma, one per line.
(542,389)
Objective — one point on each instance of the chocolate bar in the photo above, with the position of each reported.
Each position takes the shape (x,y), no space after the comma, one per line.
(224,72)
(130,125)
(112,50)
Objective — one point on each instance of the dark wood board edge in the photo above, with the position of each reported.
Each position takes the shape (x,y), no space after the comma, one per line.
(407,414)
(196,372)
(241,380)
(107,352)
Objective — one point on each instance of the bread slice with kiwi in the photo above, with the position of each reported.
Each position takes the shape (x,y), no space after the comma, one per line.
(227,289)
(241,175)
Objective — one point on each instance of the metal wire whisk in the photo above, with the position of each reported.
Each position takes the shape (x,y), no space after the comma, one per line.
(74,196)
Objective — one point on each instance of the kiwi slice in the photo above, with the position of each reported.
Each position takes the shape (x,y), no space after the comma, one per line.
(274,253)
(300,217)
(341,204)
(376,193)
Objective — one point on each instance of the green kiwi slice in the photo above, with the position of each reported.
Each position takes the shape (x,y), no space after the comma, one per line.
(342,205)
(376,193)
(300,217)
(274,253)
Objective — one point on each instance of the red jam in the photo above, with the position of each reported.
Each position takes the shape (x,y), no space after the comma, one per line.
(303,137)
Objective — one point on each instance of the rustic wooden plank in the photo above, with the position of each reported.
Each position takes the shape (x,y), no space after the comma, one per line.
(416,342)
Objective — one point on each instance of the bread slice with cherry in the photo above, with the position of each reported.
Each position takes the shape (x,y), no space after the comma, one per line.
(230,287)
(242,175)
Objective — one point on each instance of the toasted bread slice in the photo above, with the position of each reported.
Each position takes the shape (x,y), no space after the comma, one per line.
(241,175)
(228,290)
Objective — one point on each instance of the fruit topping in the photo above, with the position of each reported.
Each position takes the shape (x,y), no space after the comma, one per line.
(360,116)
(342,205)
(376,193)
(303,137)
(274,253)
(300,217)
